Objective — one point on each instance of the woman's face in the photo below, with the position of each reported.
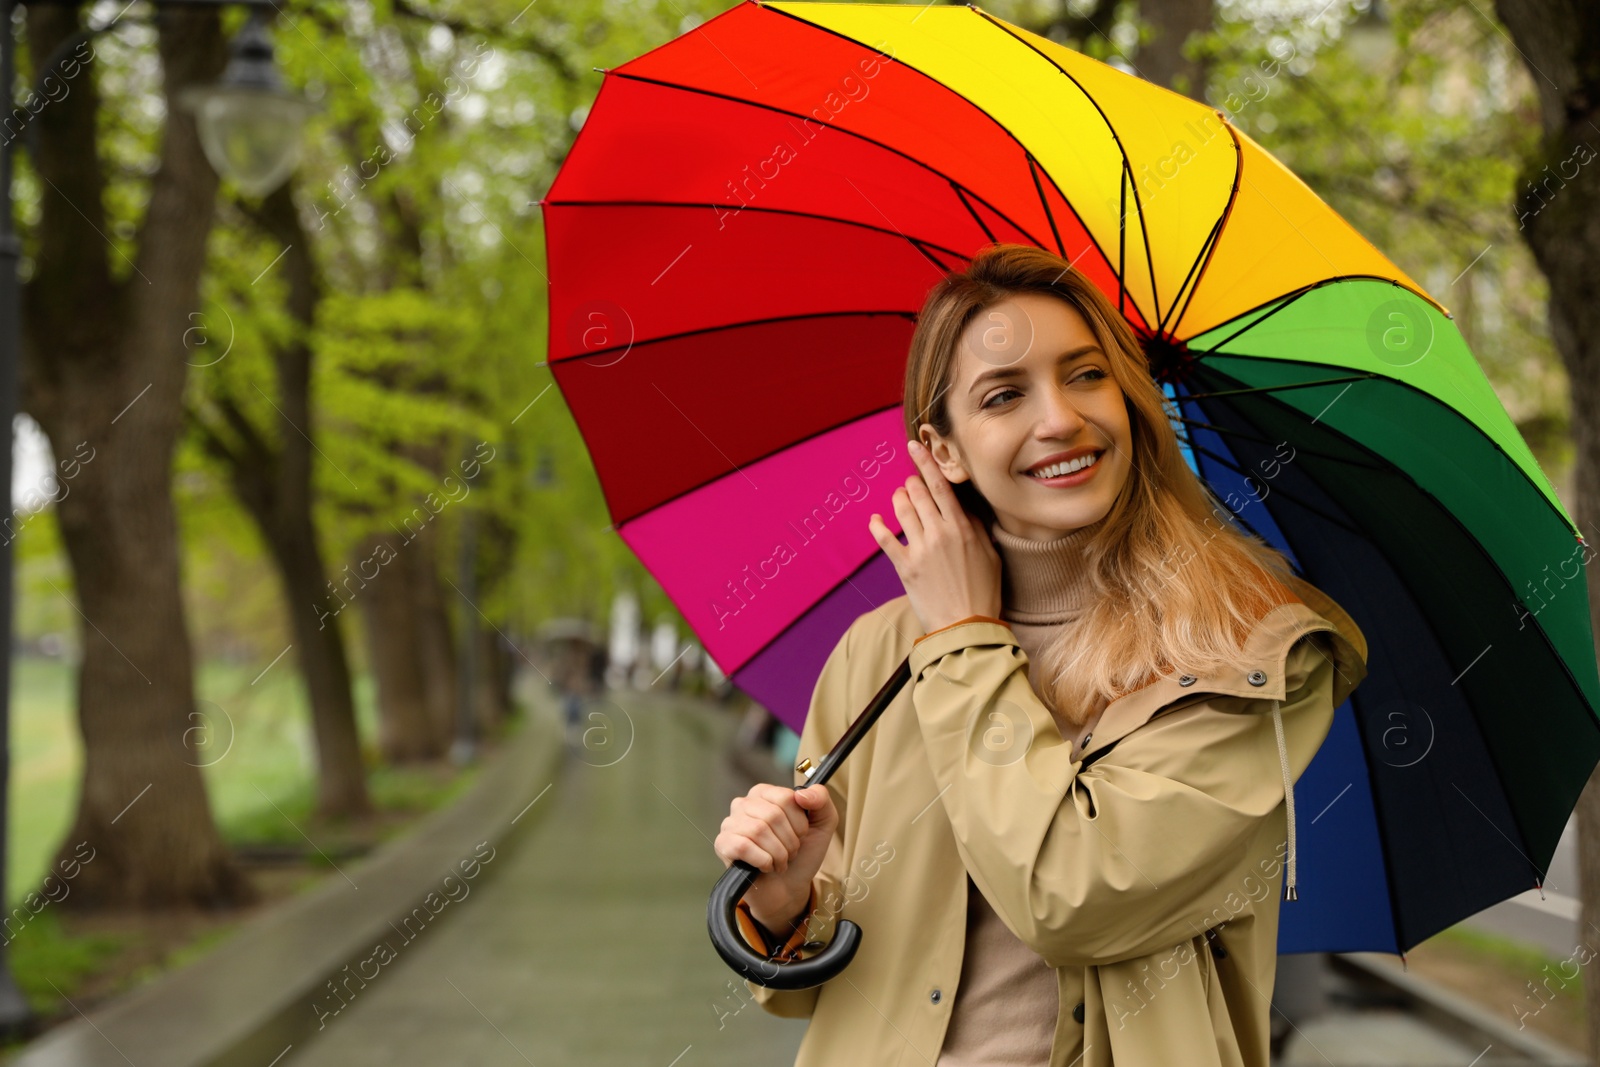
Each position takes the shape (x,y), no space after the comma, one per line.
(1032,394)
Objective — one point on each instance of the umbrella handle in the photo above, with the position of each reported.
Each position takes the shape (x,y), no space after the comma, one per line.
(740,876)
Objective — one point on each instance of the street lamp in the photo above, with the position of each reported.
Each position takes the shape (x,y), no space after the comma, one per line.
(248,120)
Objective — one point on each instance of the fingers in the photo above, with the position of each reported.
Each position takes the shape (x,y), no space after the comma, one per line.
(779,819)
(763,828)
(749,839)
(887,540)
(905,508)
(783,800)
(731,847)
(981,532)
(932,489)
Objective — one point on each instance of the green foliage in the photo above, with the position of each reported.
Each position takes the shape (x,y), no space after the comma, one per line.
(44,958)
(438,127)
(1411,121)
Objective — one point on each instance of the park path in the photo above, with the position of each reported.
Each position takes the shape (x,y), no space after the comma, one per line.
(589,946)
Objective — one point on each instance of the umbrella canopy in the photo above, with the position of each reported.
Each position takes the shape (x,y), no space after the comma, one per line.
(739,243)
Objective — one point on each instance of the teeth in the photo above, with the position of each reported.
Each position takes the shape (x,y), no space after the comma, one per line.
(1058,469)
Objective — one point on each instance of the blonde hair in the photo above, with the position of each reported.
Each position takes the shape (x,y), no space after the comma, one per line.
(1176,586)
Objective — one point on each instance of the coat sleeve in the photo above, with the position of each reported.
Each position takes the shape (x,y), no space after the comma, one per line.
(1134,853)
(833,701)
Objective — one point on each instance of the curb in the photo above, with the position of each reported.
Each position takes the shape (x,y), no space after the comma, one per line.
(1454,1013)
(268,987)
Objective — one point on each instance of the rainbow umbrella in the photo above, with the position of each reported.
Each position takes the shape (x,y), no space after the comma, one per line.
(739,243)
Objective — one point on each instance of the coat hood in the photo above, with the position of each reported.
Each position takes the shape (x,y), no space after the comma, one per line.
(1260,671)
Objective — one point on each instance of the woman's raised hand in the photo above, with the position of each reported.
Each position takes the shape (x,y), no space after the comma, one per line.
(784,834)
(949,565)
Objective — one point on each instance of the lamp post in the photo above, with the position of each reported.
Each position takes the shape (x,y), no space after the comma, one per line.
(249,125)
(249,121)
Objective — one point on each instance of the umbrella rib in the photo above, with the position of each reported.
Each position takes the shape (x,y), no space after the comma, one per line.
(1033,172)
(1283,302)
(1278,388)
(1127,166)
(1197,269)
(1206,254)
(1238,516)
(1285,299)
(1594,716)
(1183,287)
(922,248)
(1550,505)
(1144,234)
(720,327)
(1262,440)
(1122,239)
(961,196)
(1287,495)
(686,205)
(848,132)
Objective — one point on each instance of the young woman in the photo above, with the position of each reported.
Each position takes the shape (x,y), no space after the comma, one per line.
(1064,841)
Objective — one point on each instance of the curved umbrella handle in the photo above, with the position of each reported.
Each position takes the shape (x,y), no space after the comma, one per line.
(740,876)
(796,974)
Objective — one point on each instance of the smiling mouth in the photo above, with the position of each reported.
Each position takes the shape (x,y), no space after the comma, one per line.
(1071,466)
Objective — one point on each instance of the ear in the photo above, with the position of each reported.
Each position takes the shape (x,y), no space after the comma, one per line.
(944,453)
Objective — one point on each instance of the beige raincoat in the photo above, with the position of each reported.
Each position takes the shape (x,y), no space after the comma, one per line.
(1145,862)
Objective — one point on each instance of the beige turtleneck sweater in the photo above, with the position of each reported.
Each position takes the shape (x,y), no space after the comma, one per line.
(1004,1014)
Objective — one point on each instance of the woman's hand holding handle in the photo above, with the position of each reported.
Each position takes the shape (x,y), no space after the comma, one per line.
(784,834)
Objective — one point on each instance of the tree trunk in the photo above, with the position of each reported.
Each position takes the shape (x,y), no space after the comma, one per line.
(494,682)
(1161,59)
(406,728)
(103,373)
(341,776)
(436,651)
(1559,212)
(495,557)
(271,474)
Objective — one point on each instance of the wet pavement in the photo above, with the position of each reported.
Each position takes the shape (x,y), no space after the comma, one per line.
(589,947)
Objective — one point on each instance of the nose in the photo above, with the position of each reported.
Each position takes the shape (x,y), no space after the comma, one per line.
(1059,418)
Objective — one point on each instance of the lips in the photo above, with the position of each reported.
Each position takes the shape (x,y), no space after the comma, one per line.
(1060,458)
(1061,469)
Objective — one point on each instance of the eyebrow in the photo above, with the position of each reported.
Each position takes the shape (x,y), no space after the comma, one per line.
(1014,371)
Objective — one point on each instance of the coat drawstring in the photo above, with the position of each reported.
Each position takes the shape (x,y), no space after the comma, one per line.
(1288,799)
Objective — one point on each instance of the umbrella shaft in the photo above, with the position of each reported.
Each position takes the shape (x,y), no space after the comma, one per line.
(819,774)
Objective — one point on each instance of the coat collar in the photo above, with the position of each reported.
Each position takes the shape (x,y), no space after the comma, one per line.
(1266,650)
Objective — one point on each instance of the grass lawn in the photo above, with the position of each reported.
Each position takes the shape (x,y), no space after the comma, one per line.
(260,775)
(1519,984)
(262,760)
(271,754)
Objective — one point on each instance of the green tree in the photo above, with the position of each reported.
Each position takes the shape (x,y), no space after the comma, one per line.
(119,216)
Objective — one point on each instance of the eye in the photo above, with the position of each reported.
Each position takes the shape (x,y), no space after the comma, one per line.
(989,402)
(1095,371)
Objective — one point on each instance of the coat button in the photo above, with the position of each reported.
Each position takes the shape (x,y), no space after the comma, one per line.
(936,996)
(1256,678)
(1077,1013)
(1186,680)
